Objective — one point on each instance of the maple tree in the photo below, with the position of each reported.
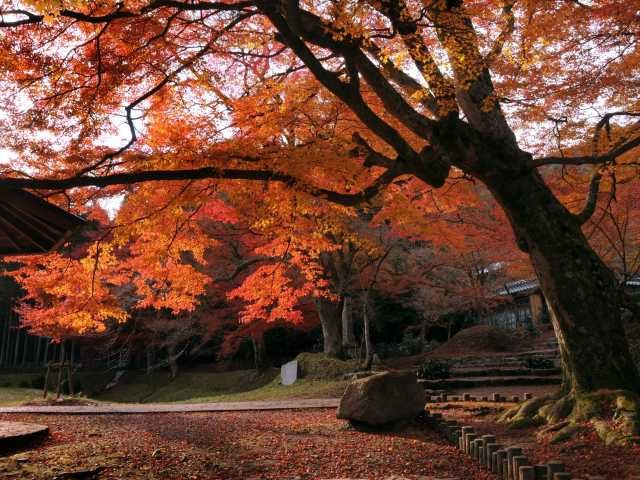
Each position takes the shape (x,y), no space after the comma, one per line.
(496,91)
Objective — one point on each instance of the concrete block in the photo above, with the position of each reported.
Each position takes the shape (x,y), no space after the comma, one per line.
(512,452)
(516,463)
(554,467)
(526,472)
(561,476)
(501,456)
(541,472)
(491,448)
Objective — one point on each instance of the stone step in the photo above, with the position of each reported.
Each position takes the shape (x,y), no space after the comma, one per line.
(511,356)
(503,372)
(470,382)
(498,365)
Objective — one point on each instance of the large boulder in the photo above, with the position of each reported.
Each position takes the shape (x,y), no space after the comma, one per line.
(382,399)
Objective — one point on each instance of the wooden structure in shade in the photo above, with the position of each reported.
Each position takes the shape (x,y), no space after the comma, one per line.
(31,225)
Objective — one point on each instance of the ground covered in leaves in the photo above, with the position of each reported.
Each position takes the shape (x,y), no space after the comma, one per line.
(310,444)
(583,454)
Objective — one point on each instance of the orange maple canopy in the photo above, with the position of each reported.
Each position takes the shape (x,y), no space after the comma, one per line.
(30,225)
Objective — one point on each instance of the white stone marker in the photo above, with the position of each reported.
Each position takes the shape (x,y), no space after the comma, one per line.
(289,372)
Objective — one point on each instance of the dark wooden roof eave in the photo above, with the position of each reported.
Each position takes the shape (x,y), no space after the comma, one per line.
(30,225)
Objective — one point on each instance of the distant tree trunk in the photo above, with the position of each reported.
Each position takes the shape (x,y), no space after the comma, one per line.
(47,345)
(423,333)
(173,361)
(348,336)
(368,344)
(330,314)
(25,349)
(149,356)
(3,346)
(259,352)
(16,351)
(38,351)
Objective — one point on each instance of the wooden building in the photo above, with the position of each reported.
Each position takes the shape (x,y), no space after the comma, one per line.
(29,225)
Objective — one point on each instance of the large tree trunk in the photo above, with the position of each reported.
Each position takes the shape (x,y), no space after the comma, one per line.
(348,335)
(330,314)
(581,291)
(259,352)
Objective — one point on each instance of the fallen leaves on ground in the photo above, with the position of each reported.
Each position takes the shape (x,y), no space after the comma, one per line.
(291,445)
(584,454)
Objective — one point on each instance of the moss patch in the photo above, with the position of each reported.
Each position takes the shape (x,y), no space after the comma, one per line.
(319,366)
(15,396)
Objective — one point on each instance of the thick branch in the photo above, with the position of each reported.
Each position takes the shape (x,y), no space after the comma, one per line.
(201,174)
(31,18)
(592,199)
(610,156)
(509,20)
(409,85)
(442,87)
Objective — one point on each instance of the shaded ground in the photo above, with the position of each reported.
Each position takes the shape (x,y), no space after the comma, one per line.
(583,455)
(196,386)
(85,408)
(230,446)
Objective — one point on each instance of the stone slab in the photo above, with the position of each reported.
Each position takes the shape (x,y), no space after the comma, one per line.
(13,434)
(289,372)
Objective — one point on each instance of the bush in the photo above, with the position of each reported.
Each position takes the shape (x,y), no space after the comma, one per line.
(409,345)
(434,370)
(538,363)
(633,338)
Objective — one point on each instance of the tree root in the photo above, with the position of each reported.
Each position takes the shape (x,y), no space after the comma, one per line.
(614,414)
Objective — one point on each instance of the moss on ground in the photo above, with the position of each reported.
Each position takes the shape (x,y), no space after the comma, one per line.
(10,396)
(319,366)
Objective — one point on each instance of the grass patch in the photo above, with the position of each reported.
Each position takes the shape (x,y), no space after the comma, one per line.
(197,386)
(10,396)
(203,386)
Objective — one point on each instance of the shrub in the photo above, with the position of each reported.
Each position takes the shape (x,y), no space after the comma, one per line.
(434,370)
(538,363)
(633,337)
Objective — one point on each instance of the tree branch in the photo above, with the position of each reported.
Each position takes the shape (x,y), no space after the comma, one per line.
(592,199)
(202,174)
(610,156)
(32,18)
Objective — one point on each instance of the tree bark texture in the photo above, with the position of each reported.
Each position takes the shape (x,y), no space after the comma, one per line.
(330,313)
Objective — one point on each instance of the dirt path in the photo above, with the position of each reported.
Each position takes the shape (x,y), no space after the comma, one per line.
(139,408)
(266,445)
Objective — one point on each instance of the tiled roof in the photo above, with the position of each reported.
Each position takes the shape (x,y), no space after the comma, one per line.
(530,286)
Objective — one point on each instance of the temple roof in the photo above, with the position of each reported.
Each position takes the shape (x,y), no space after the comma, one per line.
(30,225)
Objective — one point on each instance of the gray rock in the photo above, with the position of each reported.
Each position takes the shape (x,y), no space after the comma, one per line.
(382,399)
